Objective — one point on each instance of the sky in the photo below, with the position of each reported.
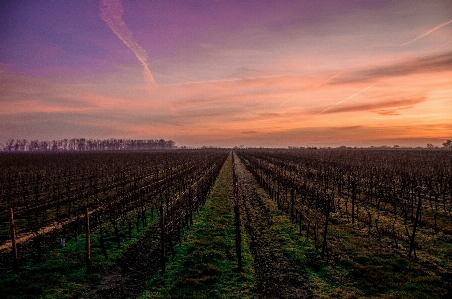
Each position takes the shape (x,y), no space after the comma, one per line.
(228,73)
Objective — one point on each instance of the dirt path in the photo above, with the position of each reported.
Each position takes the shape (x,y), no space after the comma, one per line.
(25,237)
(277,276)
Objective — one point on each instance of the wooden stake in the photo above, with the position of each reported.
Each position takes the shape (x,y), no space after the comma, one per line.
(13,239)
(292,199)
(162,239)
(88,245)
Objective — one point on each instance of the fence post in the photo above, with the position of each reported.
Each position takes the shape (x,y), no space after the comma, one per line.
(13,239)
(88,245)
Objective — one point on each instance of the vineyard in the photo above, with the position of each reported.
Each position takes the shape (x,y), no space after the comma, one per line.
(53,198)
(296,223)
(367,212)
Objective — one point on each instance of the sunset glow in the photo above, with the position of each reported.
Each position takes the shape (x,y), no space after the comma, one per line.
(227,73)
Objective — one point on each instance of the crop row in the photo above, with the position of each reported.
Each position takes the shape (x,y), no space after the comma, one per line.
(385,193)
(119,190)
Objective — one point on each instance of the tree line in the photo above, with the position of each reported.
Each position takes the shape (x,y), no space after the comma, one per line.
(84,144)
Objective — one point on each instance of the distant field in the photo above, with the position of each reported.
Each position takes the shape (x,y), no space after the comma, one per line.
(328,223)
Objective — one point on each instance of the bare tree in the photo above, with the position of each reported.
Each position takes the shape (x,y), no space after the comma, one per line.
(447,144)
(9,145)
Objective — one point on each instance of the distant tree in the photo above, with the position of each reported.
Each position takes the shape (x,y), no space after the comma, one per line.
(72,144)
(170,144)
(83,144)
(447,144)
(161,143)
(429,145)
(33,145)
(64,144)
(17,146)
(9,145)
(43,145)
(54,146)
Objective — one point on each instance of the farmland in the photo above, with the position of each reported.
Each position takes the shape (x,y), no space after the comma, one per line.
(213,223)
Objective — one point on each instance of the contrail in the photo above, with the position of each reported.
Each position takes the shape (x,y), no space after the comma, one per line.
(287,101)
(438,48)
(111,13)
(348,98)
(328,80)
(428,32)
(207,81)
(220,80)
(316,87)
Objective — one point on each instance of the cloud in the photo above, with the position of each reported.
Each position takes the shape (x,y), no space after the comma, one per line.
(379,107)
(57,125)
(429,64)
(392,112)
(347,128)
(111,13)
(21,94)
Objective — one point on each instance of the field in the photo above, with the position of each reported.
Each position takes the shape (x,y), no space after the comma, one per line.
(213,223)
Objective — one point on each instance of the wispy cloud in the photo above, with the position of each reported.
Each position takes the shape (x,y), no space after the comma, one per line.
(429,64)
(346,128)
(392,112)
(380,106)
(111,13)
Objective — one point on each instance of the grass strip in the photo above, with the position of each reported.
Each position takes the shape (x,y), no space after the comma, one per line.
(205,266)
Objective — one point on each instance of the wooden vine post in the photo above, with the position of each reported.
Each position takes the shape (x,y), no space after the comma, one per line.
(88,245)
(327,217)
(292,200)
(13,239)
(162,238)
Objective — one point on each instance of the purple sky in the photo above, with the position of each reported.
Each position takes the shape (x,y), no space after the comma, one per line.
(257,73)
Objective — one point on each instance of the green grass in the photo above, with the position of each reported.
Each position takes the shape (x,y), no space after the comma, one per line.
(205,266)
(300,250)
(364,270)
(62,272)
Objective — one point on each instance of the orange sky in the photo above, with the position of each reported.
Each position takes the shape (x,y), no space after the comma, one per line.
(284,75)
